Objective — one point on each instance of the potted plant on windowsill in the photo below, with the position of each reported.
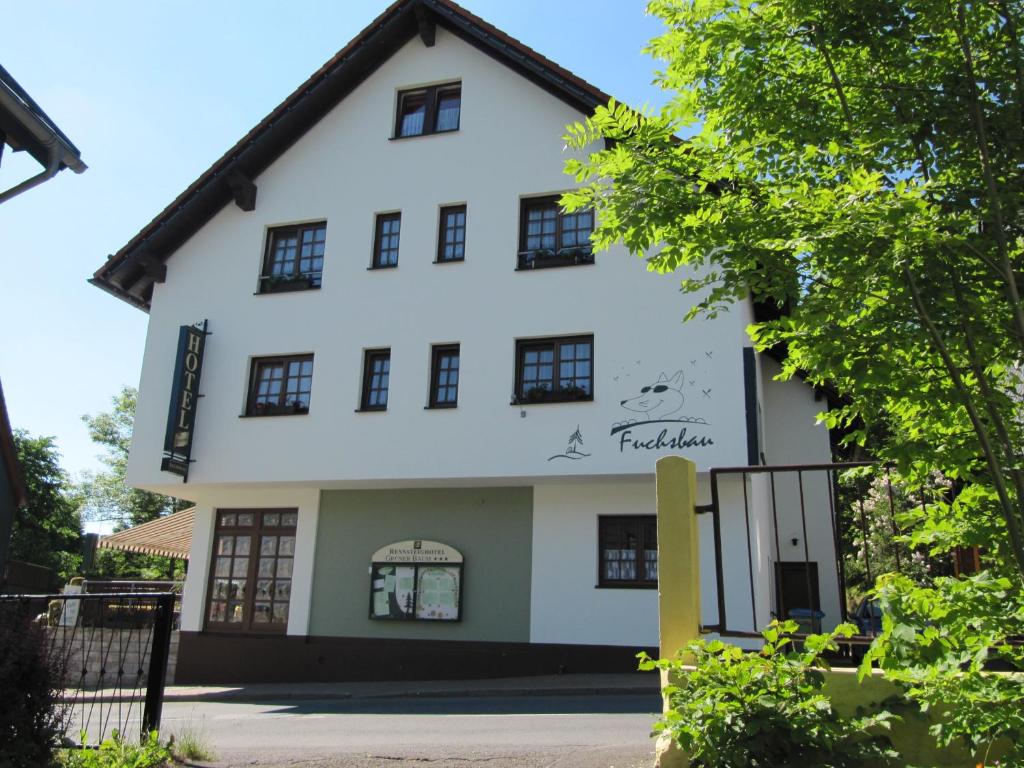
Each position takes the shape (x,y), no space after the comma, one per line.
(573,393)
(579,254)
(537,395)
(285,283)
(537,258)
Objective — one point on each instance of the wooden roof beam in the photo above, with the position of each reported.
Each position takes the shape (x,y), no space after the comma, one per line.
(427,26)
(243,189)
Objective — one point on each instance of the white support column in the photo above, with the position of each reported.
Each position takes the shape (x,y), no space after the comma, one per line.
(302,571)
(193,599)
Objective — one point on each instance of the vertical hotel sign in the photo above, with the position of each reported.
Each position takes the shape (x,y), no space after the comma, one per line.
(181,417)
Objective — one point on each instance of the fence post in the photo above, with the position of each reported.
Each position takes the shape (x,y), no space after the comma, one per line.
(158,657)
(678,574)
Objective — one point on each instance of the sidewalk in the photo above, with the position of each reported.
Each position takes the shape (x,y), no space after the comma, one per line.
(631,683)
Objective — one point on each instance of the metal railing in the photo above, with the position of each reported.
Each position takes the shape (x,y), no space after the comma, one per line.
(806,517)
(108,652)
(125,586)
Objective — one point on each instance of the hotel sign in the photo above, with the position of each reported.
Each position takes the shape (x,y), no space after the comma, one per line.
(416,581)
(181,416)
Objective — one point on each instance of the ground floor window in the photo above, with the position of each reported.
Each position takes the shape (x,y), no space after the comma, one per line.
(627,551)
(251,570)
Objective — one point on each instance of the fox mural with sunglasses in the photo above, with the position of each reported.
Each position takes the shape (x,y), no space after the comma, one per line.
(658,400)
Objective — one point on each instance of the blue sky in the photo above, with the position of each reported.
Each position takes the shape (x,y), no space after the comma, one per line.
(152,93)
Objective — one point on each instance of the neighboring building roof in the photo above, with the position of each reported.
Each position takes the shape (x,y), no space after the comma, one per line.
(26,126)
(130,273)
(9,456)
(169,536)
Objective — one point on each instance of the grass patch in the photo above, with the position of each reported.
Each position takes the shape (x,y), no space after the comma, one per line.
(190,743)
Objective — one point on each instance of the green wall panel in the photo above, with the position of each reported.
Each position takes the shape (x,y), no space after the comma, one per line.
(491,527)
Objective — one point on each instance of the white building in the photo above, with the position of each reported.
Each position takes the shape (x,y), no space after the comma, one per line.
(410,342)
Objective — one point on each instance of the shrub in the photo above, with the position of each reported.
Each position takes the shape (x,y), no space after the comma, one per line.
(115,752)
(952,648)
(32,718)
(734,709)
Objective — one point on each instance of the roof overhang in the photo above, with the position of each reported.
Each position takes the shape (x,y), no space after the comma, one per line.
(26,127)
(131,273)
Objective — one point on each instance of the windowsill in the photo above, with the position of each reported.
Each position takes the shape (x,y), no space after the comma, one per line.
(372,410)
(270,415)
(377,267)
(450,261)
(519,403)
(627,585)
(441,407)
(555,262)
(423,135)
(291,286)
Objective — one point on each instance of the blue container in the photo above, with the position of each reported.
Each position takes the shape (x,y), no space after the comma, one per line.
(809,621)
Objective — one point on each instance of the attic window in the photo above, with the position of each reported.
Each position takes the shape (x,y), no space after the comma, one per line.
(429,110)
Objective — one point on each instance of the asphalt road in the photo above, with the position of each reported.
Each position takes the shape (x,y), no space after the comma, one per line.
(525,732)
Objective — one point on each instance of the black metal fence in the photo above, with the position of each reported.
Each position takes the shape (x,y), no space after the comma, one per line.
(109,650)
(813,539)
(115,586)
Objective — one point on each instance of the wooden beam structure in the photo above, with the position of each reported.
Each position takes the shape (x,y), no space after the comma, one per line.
(427,26)
(243,189)
(152,266)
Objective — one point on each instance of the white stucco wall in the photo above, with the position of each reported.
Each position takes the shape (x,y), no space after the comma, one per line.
(793,436)
(345,170)
(566,606)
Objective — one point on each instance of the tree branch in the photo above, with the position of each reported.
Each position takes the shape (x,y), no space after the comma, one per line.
(995,469)
(981,133)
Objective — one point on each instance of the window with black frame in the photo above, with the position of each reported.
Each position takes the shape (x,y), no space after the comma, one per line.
(376,379)
(551,237)
(386,239)
(280,386)
(434,109)
(444,376)
(627,551)
(554,370)
(294,259)
(451,241)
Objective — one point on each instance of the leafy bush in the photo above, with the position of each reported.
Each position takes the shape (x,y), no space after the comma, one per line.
(115,752)
(940,643)
(31,715)
(735,709)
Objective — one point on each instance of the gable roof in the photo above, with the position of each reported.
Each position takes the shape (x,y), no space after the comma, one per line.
(131,273)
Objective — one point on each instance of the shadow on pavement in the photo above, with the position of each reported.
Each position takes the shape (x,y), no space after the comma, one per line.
(481,705)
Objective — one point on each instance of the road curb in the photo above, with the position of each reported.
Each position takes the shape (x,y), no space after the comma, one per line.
(309,695)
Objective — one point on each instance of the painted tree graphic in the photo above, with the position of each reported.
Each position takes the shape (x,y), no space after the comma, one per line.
(575,441)
(408,604)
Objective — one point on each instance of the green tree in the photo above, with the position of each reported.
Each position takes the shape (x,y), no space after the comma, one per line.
(108,497)
(858,168)
(48,530)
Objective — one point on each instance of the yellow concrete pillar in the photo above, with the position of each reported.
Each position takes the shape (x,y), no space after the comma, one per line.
(678,574)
